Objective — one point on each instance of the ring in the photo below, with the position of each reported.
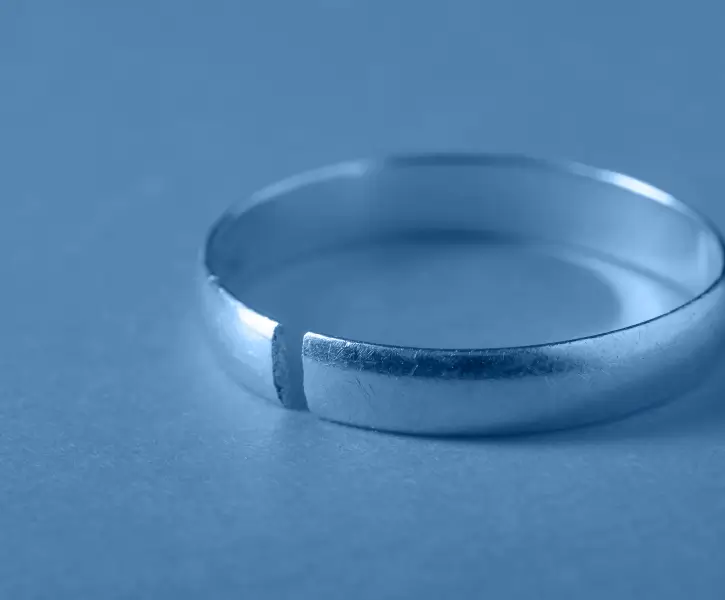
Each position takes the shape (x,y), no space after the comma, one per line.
(502,390)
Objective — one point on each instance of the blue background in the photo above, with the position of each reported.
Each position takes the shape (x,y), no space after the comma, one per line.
(130,467)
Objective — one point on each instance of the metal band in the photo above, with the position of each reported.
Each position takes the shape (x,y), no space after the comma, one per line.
(468,391)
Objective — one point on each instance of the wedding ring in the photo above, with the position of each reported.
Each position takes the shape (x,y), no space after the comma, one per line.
(442,391)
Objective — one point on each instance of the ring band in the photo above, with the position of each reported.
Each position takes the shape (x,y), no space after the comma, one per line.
(468,391)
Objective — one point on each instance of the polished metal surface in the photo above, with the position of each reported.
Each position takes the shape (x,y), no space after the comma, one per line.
(468,391)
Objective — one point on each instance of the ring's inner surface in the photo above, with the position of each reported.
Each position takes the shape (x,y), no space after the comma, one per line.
(509,253)
(622,219)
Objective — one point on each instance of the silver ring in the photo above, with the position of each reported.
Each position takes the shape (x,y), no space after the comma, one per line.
(468,391)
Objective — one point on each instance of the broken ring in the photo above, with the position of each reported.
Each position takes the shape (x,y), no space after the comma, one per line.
(468,391)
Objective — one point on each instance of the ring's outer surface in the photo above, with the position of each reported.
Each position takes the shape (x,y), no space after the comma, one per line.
(469,391)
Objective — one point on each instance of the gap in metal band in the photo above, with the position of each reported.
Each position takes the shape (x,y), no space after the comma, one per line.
(287,367)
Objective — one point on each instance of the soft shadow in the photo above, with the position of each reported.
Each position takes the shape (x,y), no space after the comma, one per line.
(466,294)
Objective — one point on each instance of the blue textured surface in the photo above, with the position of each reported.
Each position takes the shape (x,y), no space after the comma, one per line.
(131,468)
